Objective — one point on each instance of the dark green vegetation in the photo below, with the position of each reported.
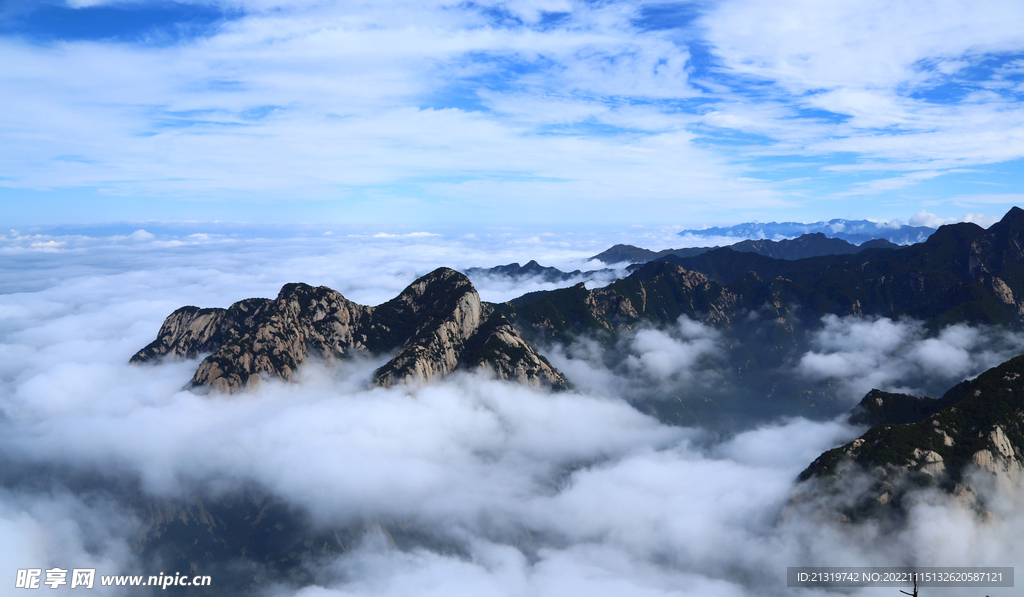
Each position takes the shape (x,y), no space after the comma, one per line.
(956,426)
(657,293)
(887,408)
(976,426)
(808,245)
(764,308)
(962,273)
(631,254)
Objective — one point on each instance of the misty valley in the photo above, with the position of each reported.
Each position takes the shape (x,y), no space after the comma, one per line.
(691,420)
(511,298)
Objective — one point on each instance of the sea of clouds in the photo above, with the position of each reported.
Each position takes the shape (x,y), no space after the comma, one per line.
(574,493)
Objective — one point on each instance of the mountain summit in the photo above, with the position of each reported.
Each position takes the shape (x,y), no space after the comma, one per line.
(436,325)
(975,427)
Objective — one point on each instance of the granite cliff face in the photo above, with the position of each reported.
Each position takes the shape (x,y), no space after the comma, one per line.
(435,326)
(976,427)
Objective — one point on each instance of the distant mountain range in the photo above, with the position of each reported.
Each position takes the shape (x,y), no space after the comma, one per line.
(534,270)
(854,231)
(813,244)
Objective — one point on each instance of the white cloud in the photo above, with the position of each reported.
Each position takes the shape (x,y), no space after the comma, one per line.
(674,353)
(871,68)
(49,244)
(409,235)
(432,111)
(991,199)
(647,363)
(924,218)
(861,354)
(881,185)
(319,98)
(545,493)
(810,45)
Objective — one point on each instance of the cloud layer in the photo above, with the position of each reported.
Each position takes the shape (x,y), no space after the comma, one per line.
(510,111)
(534,493)
(866,353)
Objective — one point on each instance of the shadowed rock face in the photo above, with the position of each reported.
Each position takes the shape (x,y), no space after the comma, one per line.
(190,331)
(436,325)
(888,408)
(657,292)
(977,426)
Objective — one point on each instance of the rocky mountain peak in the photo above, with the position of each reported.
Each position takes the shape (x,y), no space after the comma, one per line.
(429,326)
(954,236)
(976,425)
(445,310)
(438,286)
(1014,217)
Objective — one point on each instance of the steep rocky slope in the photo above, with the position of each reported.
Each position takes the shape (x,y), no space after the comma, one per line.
(435,326)
(978,425)
(767,310)
(657,293)
(961,273)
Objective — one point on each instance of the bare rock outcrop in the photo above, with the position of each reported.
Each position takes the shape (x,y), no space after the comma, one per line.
(436,325)
(975,432)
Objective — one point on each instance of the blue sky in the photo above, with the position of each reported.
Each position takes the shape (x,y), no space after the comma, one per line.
(521,112)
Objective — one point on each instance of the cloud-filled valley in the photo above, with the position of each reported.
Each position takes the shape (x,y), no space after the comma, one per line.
(509,297)
(865,353)
(465,486)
